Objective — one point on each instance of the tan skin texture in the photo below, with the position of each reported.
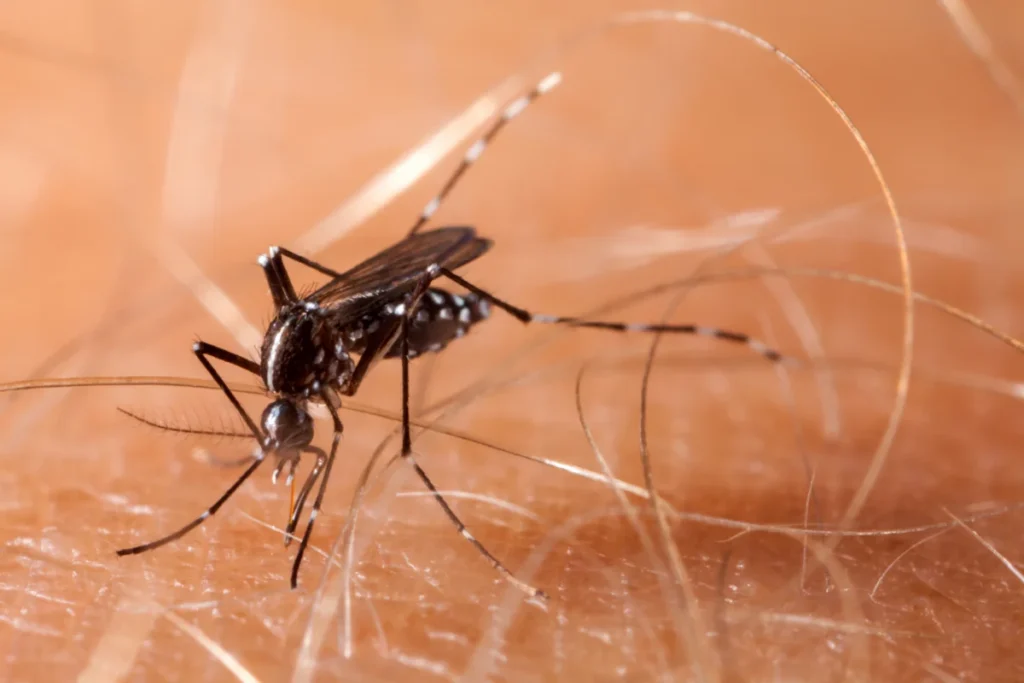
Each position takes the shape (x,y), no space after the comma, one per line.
(107,152)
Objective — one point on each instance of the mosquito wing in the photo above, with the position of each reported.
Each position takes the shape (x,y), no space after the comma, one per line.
(396,270)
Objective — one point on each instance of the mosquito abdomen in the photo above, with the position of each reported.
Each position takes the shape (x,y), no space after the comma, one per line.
(441,317)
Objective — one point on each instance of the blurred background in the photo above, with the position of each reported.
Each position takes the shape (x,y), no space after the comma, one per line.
(150,152)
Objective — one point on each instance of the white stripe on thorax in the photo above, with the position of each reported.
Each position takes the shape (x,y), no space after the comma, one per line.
(275,350)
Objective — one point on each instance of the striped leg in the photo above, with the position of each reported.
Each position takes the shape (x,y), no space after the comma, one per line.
(525,316)
(198,520)
(326,463)
(202,350)
(408,455)
(477,148)
(307,487)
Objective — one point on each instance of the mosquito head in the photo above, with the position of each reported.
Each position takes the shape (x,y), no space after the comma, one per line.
(287,425)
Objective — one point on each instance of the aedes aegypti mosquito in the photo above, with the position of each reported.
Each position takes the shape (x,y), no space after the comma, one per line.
(384,307)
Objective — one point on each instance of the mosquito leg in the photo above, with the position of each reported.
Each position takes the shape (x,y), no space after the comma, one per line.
(281,289)
(275,252)
(376,347)
(408,455)
(300,502)
(514,109)
(525,316)
(320,493)
(381,342)
(202,350)
(198,520)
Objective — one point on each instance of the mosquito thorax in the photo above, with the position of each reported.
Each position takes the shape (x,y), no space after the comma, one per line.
(287,425)
(302,353)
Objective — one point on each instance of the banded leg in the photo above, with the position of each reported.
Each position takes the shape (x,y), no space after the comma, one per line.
(307,487)
(365,361)
(212,510)
(202,349)
(477,148)
(277,252)
(408,456)
(338,428)
(525,316)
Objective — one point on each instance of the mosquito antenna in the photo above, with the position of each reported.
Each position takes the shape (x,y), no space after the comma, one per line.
(168,426)
(122,381)
(514,109)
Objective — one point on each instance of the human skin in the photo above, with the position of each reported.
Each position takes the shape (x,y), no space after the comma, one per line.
(147,154)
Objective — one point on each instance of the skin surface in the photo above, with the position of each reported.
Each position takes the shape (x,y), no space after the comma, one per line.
(150,153)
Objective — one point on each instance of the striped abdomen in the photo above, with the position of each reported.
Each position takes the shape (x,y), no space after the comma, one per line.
(439,318)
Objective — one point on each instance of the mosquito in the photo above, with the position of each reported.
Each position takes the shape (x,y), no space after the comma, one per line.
(319,348)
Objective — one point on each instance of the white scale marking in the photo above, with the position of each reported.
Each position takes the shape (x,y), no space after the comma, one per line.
(474,152)
(436,297)
(758,346)
(516,108)
(444,314)
(549,82)
(431,208)
(275,349)
(464,315)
